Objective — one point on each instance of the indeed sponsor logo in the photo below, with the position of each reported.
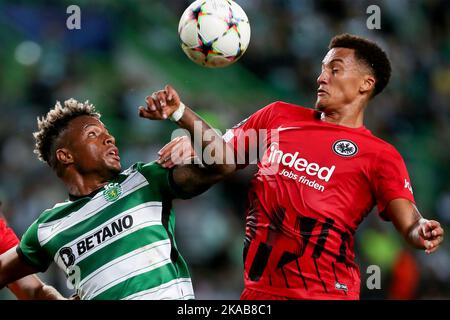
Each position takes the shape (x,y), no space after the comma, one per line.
(300,164)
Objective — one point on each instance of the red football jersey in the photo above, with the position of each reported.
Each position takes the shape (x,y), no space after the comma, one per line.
(315,184)
(8,238)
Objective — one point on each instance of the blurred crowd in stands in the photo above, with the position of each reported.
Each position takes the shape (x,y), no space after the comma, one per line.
(127,49)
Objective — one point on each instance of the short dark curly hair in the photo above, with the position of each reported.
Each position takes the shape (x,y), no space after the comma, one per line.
(370,54)
(56,120)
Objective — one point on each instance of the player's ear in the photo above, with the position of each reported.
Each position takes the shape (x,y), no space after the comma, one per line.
(368,84)
(64,156)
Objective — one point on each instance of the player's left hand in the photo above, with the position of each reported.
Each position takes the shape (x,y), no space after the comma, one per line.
(161,104)
(432,234)
(177,151)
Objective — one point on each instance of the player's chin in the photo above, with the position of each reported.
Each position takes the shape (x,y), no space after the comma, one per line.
(114,166)
(324,103)
(320,105)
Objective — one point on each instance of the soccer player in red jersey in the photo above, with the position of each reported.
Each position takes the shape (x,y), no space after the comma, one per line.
(320,173)
(30,287)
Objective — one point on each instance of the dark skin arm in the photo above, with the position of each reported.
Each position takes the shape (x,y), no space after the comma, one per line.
(31,287)
(192,179)
(20,279)
(417,231)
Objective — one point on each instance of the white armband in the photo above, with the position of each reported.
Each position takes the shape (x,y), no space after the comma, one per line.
(176,116)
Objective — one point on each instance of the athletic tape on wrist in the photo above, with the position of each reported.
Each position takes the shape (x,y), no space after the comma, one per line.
(176,116)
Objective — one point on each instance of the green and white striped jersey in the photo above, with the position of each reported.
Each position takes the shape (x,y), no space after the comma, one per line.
(116,244)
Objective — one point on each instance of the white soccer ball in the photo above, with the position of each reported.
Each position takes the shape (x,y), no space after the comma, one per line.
(214,33)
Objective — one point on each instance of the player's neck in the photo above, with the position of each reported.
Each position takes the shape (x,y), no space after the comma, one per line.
(347,116)
(81,185)
(346,121)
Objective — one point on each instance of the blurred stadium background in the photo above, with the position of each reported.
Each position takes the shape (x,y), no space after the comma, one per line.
(128,49)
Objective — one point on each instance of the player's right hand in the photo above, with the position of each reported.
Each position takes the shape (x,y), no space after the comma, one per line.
(177,151)
(161,104)
(432,234)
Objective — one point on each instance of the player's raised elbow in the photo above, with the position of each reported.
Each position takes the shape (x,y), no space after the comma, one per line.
(212,174)
(224,170)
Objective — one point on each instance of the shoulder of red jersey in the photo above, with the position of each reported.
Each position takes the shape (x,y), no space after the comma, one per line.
(382,144)
(390,149)
(278,111)
(281,105)
(281,109)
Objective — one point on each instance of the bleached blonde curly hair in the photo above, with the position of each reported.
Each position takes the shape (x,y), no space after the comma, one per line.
(54,122)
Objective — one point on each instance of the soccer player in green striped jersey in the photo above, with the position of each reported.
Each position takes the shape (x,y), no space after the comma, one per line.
(114,236)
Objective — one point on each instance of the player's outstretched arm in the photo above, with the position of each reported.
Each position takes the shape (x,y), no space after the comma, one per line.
(17,275)
(32,288)
(418,231)
(20,279)
(192,179)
